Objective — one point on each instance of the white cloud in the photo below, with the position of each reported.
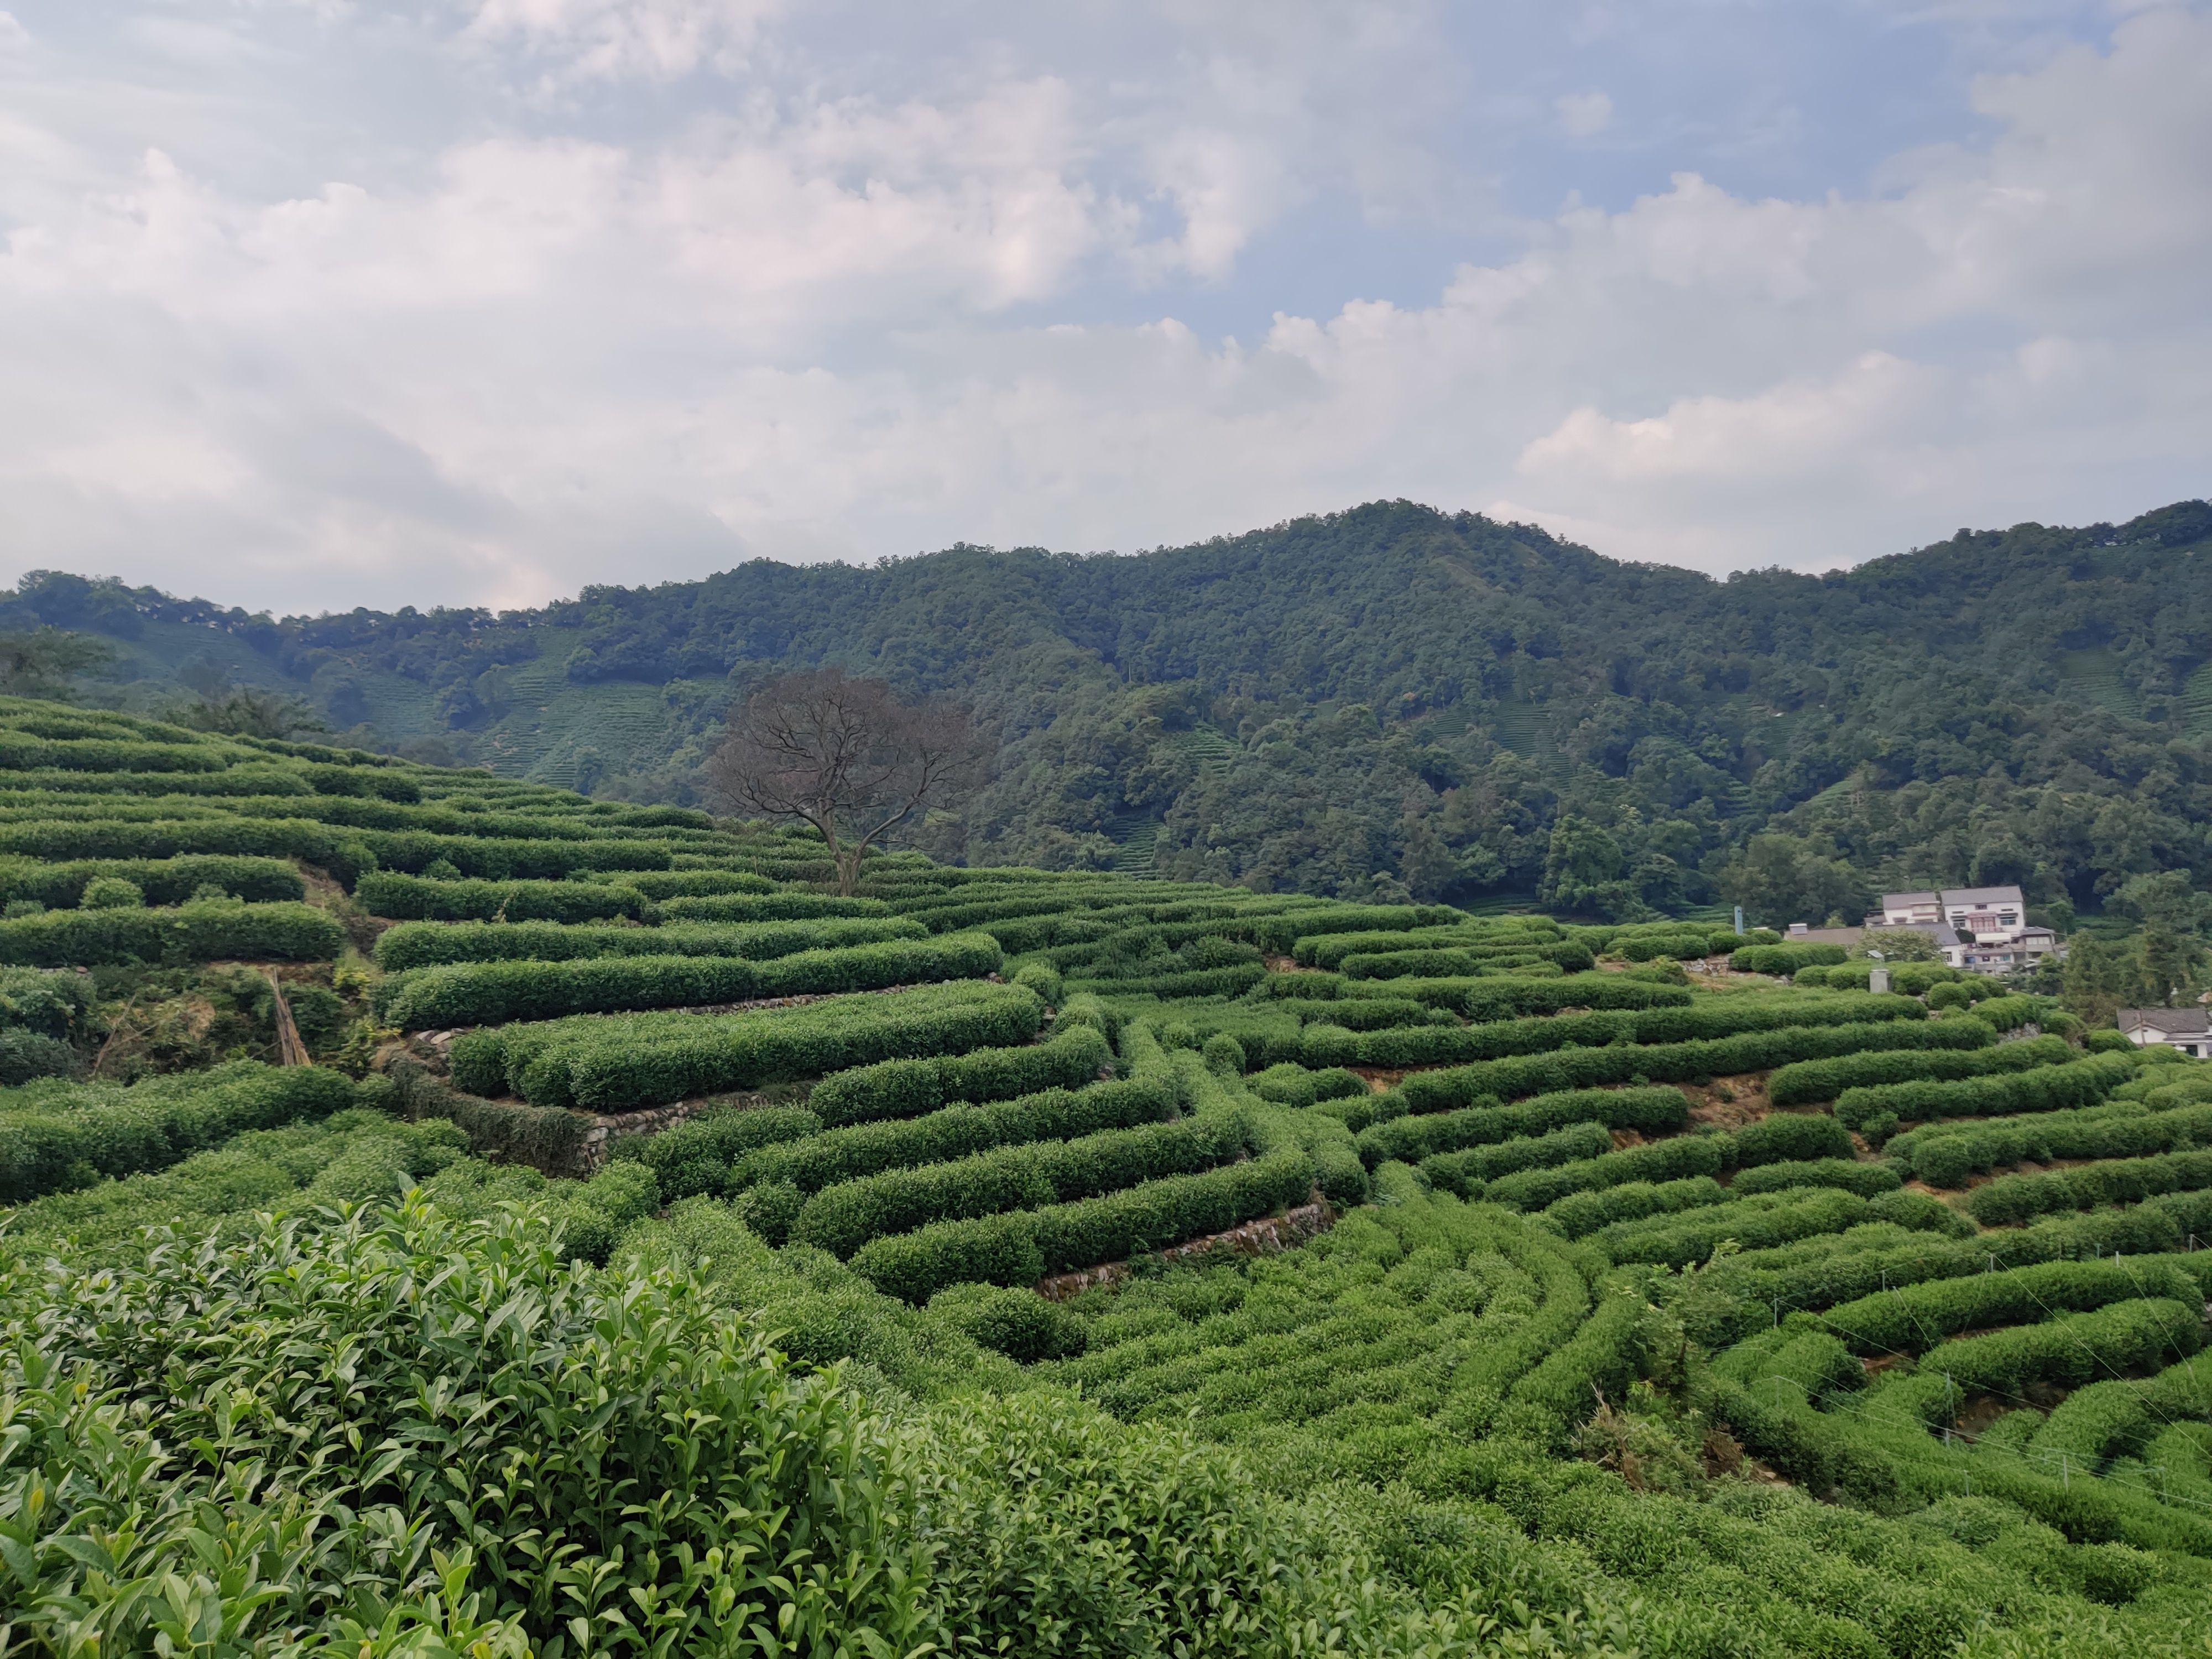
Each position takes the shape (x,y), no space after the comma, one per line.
(1783,433)
(800,321)
(624,39)
(1584,114)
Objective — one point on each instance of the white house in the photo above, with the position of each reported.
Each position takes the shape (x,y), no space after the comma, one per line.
(1984,930)
(1982,911)
(2189,1029)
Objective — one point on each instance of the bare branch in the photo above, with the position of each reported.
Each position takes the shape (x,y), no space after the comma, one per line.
(845,756)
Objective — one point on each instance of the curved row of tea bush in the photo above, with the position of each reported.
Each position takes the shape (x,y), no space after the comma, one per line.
(159,881)
(1946,1154)
(843,1218)
(1028,1245)
(55,1136)
(207,930)
(618,1063)
(422,944)
(2076,1082)
(906,1088)
(488,992)
(1809,1082)
(816,1161)
(1511,1078)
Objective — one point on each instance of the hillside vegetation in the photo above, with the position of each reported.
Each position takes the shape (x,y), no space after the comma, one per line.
(1390,702)
(662,1256)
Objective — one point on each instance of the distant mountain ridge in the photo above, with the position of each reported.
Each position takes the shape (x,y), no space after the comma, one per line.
(1388,697)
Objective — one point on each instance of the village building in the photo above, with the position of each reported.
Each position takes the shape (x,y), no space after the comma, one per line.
(1981,930)
(2189,1029)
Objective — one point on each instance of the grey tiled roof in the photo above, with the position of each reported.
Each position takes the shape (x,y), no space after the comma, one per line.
(2178,1022)
(1982,896)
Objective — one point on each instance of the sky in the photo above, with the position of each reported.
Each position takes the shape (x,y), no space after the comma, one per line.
(312,304)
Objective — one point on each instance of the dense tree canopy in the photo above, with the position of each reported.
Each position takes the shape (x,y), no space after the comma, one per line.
(1383,702)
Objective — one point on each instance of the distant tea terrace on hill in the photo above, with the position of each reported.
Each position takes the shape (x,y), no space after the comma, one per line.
(449,1214)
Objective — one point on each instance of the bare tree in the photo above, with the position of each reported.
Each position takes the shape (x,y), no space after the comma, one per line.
(845,755)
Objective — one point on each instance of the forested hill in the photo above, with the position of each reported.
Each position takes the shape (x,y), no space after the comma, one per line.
(1388,698)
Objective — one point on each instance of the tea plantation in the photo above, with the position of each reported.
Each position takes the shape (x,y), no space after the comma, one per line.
(448,1215)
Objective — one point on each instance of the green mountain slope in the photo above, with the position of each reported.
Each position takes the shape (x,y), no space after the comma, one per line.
(1388,700)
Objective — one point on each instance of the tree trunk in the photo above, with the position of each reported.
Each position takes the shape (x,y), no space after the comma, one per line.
(290,1051)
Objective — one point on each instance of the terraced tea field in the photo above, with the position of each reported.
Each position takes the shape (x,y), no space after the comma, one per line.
(1162,1268)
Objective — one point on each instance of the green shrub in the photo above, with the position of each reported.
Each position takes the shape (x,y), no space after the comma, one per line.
(55,1006)
(1912,1317)
(1811,1081)
(422,944)
(769,907)
(1678,1159)
(1292,1084)
(769,1208)
(1282,935)
(1680,944)
(1946,1154)
(1202,982)
(416,898)
(2044,1088)
(489,993)
(1866,1180)
(1713,1020)
(1791,1137)
(843,1217)
(20,752)
(487,857)
(621,1062)
(2009,1013)
(2072,1348)
(69,1136)
(1597,1363)
(1451,962)
(908,1088)
(1487,999)
(604,1386)
(695,1155)
(1784,960)
(2105,1419)
(2016,1198)
(1084,1009)
(1912,978)
(1017,1323)
(1024,1246)
(201,932)
(1583,1213)
(1043,978)
(1648,1110)
(1224,1054)
(1824,1272)
(1581,1068)
(341,852)
(112,893)
(1464,1173)
(1753,1223)
(697,884)
(25,1055)
(820,1160)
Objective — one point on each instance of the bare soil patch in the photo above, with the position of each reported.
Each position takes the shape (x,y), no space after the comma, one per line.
(1711,1102)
